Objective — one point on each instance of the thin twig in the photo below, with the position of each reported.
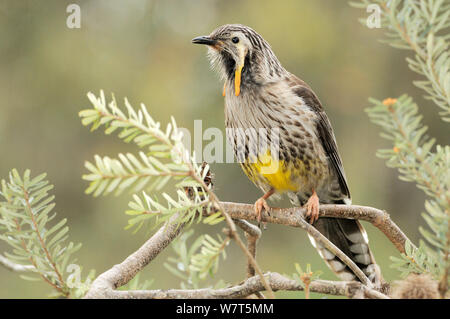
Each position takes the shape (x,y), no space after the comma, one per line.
(41,240)
(252,234)
(234,234)
(33,263)
(5,262)
(249,228)
(318,237)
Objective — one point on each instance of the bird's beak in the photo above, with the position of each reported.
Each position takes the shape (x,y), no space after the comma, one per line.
(204,40)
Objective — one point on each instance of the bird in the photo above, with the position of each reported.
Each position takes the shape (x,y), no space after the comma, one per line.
(260,94)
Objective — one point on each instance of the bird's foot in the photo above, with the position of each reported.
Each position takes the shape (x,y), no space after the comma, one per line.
(312,208)
(261,204)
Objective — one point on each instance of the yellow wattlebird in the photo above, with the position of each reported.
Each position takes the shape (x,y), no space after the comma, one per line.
(261,94)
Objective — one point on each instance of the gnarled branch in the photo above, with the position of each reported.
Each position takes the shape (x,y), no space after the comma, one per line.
(252,285)
(295,215)
(104,286)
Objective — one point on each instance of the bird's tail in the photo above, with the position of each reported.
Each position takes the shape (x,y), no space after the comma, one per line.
(351,238)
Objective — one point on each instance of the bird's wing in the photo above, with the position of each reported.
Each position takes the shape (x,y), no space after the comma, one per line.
(324,129)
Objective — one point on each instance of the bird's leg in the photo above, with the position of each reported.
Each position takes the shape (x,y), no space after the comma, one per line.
(312,206)
(261,203)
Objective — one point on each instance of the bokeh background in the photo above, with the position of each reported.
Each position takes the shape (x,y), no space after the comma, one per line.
(142,49)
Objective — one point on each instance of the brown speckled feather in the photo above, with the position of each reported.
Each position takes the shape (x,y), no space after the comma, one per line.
(324,130)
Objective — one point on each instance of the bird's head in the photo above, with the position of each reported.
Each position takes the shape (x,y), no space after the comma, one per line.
(241,55)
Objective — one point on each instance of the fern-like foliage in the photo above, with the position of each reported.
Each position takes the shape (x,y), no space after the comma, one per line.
(206,262)
(420,26)
(146,208)
(418,160)
(129,172)
(162,158)
(412,152)
(181,265)
(422,259)
(28,226)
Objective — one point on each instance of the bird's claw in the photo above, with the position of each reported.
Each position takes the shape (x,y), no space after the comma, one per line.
(312,208)
(261,204)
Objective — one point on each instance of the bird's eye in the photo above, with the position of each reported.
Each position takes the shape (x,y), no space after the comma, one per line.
(235,40)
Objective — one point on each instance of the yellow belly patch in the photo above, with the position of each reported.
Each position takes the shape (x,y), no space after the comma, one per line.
(277,173)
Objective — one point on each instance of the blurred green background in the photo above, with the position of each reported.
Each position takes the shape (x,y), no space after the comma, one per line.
(142,50)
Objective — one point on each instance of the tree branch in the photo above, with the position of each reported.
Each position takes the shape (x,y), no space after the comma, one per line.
(105,284)
(254,285)
(295,215)
(252,234)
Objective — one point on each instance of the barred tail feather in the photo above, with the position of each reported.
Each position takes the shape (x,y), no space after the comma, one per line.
(351,238)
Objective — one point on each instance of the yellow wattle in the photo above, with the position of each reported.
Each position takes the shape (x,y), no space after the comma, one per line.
(237,80)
